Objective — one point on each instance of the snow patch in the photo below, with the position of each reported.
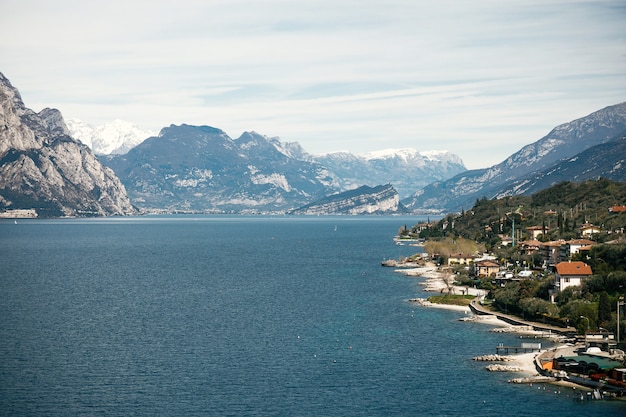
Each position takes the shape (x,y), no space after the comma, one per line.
(277,180)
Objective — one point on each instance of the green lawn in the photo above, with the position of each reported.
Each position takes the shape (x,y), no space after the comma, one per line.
(457,300)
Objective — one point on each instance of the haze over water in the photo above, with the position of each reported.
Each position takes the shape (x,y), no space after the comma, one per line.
(218,315)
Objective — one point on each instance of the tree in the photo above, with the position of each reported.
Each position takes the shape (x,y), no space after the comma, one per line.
(604,308)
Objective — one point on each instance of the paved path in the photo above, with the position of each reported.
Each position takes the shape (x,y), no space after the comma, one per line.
(477,308)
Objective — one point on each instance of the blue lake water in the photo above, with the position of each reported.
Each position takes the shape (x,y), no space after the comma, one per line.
(219,315)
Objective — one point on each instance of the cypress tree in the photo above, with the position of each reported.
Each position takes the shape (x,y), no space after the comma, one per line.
(604,308)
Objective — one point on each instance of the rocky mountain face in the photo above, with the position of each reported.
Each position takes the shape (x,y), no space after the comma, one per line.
(563,142)
(407,169)
(382,199)
(200,168)
(607,160)
(117,137)
(43,168)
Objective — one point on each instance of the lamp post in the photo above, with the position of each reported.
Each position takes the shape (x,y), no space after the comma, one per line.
(511,215)
(586,318)
(620,302)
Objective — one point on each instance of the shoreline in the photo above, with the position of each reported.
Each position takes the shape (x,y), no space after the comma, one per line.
(523,367)
(521,364)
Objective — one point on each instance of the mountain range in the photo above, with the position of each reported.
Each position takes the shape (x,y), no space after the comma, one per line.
(46,166)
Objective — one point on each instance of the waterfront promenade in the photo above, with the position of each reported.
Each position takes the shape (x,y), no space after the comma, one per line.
(479,309)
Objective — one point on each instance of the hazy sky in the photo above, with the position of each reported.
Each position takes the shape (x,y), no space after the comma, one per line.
(479,78)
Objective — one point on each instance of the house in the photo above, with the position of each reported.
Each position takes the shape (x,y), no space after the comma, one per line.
(551,252)
(617,209)
(530,246)
(535,231)
(589,229)
(571,274)
(486,268)
(460,259)
(572,247)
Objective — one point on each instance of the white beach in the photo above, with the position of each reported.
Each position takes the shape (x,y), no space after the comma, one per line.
(435,282)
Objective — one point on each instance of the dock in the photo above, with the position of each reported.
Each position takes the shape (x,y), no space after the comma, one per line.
(525,348)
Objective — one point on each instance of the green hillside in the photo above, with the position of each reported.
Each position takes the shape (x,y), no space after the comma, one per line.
(500,227)
(561,210)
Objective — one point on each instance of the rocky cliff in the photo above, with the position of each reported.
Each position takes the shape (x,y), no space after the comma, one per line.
(382,199)
(43,168)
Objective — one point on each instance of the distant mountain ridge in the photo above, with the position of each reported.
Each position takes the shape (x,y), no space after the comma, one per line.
(200,168)
(406,169)
(564,141)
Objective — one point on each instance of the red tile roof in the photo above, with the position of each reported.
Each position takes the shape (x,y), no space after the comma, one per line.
(581,242)
(573,268)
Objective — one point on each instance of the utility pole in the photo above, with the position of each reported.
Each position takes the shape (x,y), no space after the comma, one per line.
(620,302)
(513,234)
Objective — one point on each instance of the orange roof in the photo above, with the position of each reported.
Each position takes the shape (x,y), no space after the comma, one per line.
(617,209)
(573,268)
(553,243)
(581,242)
(536,228)
(486,263)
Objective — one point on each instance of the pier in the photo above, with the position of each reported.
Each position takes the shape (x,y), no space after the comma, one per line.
(525,348)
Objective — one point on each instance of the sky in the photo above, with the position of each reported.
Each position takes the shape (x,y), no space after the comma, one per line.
(480,79)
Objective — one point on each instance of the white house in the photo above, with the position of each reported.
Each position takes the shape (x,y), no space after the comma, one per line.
(589,229)
(571,274)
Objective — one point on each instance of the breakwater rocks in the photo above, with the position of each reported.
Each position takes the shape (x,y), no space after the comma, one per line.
(530,380)
(493,358)
(421,301)
(496,367)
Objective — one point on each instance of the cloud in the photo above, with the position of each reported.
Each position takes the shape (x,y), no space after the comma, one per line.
(353,75)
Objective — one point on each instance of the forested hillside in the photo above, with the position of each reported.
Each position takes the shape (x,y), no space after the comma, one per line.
(560,210)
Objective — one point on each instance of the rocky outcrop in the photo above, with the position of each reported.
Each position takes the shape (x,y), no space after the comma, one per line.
(43,168)
(382,199)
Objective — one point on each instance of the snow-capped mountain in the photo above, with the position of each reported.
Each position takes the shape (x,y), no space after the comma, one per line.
(201,168)
(406,169)
(117,137)
(564,141)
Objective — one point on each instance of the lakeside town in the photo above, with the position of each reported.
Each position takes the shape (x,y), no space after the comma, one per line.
(555,280)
